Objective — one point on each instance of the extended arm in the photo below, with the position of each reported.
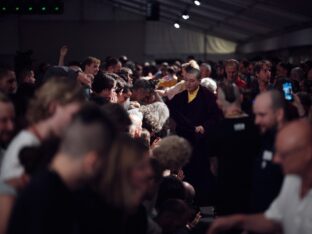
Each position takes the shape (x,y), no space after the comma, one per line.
(253,223)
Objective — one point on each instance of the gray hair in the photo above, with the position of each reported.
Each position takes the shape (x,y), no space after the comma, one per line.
(173,152)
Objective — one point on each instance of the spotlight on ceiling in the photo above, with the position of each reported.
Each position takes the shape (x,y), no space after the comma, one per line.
(185,15)
(176,25)
(197,2)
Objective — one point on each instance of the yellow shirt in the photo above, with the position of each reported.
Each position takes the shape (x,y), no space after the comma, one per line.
(191,96)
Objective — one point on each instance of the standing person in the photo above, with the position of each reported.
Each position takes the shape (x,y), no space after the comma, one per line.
(194,112)
(269,114)
(8,84)
(231,70)
(50,110)
(233,141)
(115,205)
(90,67)
(290,212)
(48,205)
(7,125)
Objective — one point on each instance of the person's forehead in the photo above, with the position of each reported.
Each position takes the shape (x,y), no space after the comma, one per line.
(8,74)
(190,76)
(288,140)
(231,67)
(6,107)
(262,103)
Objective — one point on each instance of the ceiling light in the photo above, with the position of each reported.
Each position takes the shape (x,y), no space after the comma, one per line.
(197,3)
(185,15)
(176,25)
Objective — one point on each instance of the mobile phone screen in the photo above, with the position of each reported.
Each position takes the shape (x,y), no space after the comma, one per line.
(288,91)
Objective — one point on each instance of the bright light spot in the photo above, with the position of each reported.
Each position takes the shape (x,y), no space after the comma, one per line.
(176,25)
(185,16)
(197,3)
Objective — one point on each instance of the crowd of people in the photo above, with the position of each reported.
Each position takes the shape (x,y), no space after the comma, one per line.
(115,146)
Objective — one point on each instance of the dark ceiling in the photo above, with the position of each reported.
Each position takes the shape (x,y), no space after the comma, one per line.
(235,20)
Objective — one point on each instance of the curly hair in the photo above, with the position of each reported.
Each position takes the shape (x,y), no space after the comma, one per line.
(173,152)
(155,116)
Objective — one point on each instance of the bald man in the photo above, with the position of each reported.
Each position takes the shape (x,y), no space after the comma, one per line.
(291,211)
(269,114)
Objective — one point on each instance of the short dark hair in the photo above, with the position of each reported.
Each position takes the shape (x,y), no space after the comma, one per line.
(90,130)
(102,81)
(111,62)
(119,115)
(259,65)
(89,60)
(142,84)
(4,69)
(191,70)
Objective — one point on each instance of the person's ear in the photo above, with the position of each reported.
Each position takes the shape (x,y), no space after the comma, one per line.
(280,115)
(241,98)
(23,180)
(90,163)
(52,107)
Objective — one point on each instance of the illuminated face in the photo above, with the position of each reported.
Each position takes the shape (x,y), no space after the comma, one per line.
(8,83)
(265,116)
(231,73)
(290,153)
(117,67)
(191,82)
(204,71)
(7,125)
(92,69)
(265,74)
(30,78)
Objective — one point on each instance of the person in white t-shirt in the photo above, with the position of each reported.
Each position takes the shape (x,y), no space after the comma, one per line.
(291,211)
(49,113)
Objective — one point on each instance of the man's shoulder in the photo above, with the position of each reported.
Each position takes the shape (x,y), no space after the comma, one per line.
(206,92)
(43,184)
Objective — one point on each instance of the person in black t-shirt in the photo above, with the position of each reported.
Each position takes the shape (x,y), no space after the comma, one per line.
(269,111)
(233,142)
(47,205)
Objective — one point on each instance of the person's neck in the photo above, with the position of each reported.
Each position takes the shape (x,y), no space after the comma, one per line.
(65,168)
(233,111)
(195,90)
(263,86)
(42,129)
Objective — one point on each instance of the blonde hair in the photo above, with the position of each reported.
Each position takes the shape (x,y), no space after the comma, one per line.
(191,63)
(115,185)
(231,63)
(61,90)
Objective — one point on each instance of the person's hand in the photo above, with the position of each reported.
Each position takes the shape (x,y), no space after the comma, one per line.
(85,79)
(155,143)
(114,98)
(63,51)
(195,221)
(297,103)
(134,104)
(161,92)
(223,224)
(214,166)
(181,175)
(200,129)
